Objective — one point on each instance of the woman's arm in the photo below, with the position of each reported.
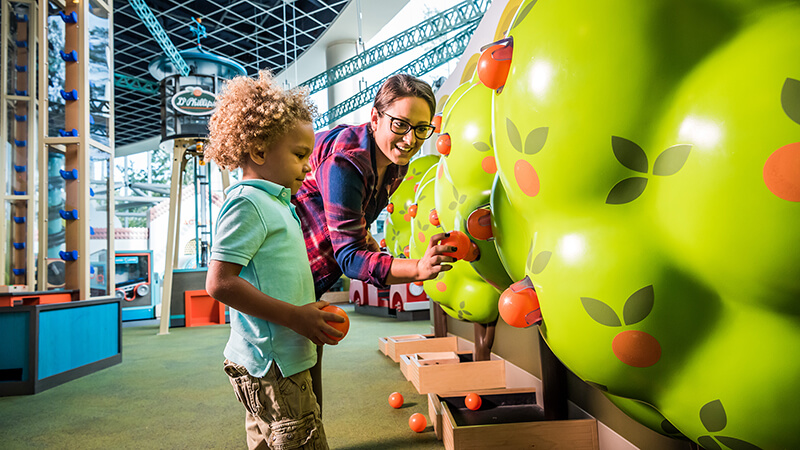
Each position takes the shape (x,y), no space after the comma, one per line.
(224,284)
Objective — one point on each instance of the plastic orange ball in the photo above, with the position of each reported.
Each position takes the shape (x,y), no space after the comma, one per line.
(473,401)
(519,305)
(443,144)
(412,210)
(396,400)
(460,241)
(390,208)
(344,327)
(407,251)
(383,243)
(417,422)
(473,254)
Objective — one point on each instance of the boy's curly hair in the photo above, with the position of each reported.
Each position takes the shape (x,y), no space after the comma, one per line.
(251,114)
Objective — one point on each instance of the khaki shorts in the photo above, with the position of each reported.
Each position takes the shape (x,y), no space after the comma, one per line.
(282,412)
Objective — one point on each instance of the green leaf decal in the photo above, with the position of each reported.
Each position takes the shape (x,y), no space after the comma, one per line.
(600,312)
(481,146)
(462,199)
(629,154)
(455,192)
(453,205)
(626,190)
(708,443)
(790,99)
(712,414)
(423,226)
(535,140)
(513,135)
(737,444)
(462,304)
(671,160)
(638,305)
(420,199)
(541,262)
(524,13)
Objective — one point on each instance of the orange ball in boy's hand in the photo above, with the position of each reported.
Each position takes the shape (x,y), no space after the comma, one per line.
(396,400)
(417,422)
(344,327)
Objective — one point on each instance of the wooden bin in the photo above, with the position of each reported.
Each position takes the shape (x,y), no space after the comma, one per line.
(429,357)
(510,420)
(451,372)
(394,346)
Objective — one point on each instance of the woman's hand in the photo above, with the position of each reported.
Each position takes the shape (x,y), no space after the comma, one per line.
(432,263)
(311,322)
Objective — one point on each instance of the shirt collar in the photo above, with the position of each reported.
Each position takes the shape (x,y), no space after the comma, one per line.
(282,193)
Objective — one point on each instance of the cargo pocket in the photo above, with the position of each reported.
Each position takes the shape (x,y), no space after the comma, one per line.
(245,387)
(291,434)
(298,394)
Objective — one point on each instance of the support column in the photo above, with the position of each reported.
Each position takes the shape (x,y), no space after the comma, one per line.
(338,52)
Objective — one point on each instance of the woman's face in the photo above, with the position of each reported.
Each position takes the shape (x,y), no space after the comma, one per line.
(395,148)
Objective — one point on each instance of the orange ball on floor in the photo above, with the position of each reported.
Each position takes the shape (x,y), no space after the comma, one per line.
(396,400)
(417,422)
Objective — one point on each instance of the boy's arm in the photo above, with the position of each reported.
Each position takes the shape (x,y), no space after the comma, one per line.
(224,284)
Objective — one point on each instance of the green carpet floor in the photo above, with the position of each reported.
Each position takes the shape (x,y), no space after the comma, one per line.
(170,392)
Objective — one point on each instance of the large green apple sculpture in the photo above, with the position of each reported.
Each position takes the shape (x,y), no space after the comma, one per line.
(465,176)
(648,158)
(460,291)
(401,207)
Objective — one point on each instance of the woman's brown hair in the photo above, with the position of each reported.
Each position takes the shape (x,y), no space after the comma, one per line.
(401,86)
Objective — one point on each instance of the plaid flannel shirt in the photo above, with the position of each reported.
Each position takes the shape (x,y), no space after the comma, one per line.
(338,201)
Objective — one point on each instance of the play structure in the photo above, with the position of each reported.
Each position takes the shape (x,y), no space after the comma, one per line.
(188,87)
(632,186)
(59,318)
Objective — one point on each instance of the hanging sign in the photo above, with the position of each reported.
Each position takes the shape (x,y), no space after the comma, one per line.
(194,101)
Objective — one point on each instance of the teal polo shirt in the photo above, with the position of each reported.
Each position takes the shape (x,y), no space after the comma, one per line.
(259,229)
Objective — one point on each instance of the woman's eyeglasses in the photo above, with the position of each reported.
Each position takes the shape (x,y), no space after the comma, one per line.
(401,128)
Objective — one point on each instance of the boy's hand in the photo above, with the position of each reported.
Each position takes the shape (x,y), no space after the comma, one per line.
(431,264)
(312,323)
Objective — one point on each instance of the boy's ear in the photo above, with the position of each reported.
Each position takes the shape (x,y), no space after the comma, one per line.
(258,156)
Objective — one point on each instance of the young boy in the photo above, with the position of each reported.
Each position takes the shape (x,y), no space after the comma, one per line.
(259,265)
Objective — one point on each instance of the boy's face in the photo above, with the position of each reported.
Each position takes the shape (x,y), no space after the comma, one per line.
(285,162)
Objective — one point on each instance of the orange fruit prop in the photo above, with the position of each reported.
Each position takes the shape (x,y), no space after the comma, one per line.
(519,305)
(344,327)
(443,144)
(417,422)
(473,401)
(437,123)
(434,218)
(396,400)
(460,241)
(479,224)
(494,64)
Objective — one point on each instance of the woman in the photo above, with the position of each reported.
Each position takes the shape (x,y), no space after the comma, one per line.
(354,170)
